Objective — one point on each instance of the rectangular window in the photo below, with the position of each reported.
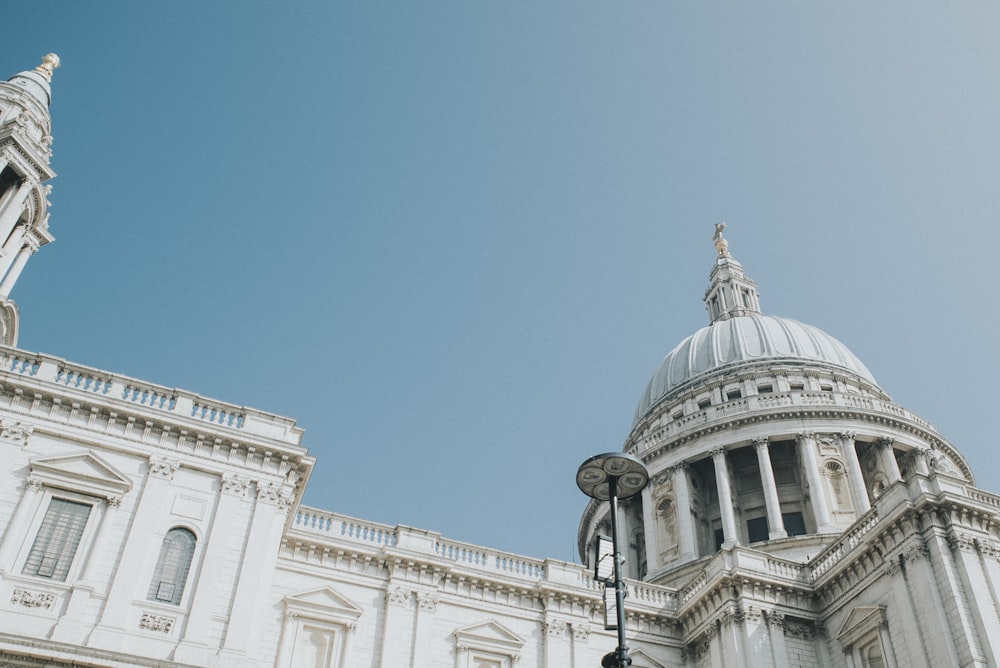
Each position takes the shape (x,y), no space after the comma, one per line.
(794,523)
(757,530)
(733,395)
(57,539)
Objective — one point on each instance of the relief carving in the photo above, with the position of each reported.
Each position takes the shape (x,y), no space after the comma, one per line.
(161,467)
(33,599)
(157,623)
(15,433)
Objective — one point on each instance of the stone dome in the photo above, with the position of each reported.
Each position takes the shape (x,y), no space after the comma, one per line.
(750,338)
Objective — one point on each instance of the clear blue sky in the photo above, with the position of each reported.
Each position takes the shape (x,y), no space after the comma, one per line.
(453,240)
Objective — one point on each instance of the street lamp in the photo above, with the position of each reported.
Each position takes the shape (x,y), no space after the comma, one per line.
(610,477)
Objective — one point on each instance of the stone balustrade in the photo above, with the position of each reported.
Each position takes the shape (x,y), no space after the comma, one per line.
(170,403)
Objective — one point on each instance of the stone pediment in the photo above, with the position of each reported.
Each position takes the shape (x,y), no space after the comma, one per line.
(860,621)
(323,604)
(641,659)
(84,472)
(491,635)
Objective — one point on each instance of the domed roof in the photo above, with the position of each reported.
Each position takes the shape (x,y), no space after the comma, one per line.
(740,334)
(745,339)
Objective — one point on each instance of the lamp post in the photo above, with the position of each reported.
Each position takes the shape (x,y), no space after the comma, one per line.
(610,477)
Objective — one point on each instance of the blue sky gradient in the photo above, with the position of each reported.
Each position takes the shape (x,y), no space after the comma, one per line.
(454,240)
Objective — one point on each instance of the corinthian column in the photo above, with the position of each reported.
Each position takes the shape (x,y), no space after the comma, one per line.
(776,526)
(729,535)
(687,542)
(854,476)
(889,460)
(817,491)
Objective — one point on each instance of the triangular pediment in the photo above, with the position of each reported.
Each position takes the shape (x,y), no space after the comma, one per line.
(489,635)
(85,472)
(640,659)
(322,603)
(860,620)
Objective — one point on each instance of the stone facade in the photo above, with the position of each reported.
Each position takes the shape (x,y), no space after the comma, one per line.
(796,516)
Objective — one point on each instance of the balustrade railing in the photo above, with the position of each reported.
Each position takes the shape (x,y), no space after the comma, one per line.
(169,401)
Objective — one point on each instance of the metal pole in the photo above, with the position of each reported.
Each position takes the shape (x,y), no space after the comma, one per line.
(622,651)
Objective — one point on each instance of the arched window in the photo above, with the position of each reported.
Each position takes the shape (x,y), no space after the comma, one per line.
(172,566)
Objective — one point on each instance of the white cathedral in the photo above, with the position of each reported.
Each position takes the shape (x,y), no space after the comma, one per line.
(795,517)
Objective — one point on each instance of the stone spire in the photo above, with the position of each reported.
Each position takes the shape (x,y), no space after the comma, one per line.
(731,293)
(25,141)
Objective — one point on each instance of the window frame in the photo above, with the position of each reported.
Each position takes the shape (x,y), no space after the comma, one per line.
(83,548)
(185,589)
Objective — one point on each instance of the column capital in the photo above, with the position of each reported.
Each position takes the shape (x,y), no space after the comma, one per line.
(162,467)
(885,442)
(848,436)
(717,452)
(761,442)
(805,436)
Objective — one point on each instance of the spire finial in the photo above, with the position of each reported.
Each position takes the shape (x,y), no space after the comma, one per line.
(732,293)
(721,245)
(50,61)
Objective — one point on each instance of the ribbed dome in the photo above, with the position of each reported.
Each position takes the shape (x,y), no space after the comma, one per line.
(745,339)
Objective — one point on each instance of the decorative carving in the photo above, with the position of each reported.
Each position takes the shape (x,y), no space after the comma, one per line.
(234,484)
(581,631)
(885,443)
(158,623)
(161,467)
(273,494)
(34,484)
(760,443)
(892,568)
(962,542)
(427,601)
(753,614)
(33,599)
(398,596)
(115,501)
(15,433)
(555,627)
(799,629)
(717,451)
(917,551)
(775,619)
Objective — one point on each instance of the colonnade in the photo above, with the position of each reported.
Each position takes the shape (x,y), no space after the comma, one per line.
(809,457)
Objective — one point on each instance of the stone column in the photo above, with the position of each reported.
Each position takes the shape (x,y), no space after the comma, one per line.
(100,541)
(557,649)
(394,654)
(423,653)
(854,476)
(775,523)
(776,633)
(889,459)
(817,491)
(649,530)
(581,637)
(260,556)
(730,537)
(14,532)
(15,270)
(13,208)
(920,461)
(204,583)
(126,585)
(687,540)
